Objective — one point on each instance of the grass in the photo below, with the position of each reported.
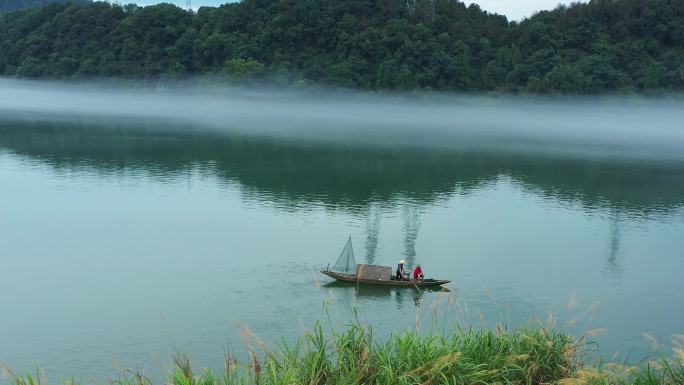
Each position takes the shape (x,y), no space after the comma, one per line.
(524,356)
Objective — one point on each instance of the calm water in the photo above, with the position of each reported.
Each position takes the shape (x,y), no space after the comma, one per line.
(119,243)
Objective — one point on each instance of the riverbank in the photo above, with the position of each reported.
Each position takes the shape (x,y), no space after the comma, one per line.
(464,356)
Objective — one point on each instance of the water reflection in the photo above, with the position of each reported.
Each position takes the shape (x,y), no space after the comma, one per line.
(401,296)
(372,232)
(411,216)
(613,268)
(358,180)
(362,181)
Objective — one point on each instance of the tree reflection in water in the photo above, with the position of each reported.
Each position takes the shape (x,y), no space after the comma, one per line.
(360,180)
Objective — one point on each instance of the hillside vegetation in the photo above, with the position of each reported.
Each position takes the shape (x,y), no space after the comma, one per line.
(602,46)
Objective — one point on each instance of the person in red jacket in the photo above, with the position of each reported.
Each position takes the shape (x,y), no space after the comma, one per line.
(418,273)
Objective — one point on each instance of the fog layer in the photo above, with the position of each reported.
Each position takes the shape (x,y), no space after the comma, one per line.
(649,129)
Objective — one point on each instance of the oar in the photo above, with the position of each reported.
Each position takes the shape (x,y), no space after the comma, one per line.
(417,288)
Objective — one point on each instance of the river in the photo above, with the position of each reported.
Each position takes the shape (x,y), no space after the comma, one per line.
(121,242)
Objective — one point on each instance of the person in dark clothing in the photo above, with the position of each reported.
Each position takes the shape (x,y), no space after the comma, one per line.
(400,270)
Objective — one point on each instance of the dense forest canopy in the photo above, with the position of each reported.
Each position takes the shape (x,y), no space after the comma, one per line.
(13,5)
(600,46)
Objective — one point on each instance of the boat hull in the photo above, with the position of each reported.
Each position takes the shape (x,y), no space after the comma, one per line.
(391,283)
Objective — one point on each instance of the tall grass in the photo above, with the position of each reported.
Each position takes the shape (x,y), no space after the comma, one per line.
(524,356)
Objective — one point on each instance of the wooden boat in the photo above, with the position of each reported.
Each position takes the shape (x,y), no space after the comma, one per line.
(392,282)
(346,270)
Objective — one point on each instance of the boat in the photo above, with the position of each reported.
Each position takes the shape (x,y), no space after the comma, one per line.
(391,282)
(346,270)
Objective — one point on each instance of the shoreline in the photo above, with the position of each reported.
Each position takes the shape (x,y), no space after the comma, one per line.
(528,355)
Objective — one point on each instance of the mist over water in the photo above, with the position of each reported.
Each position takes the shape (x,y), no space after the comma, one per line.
(580,127)
(133,222)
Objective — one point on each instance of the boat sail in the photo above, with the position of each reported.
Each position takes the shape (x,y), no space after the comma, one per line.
(346,262)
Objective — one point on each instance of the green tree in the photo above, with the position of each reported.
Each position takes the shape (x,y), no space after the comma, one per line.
(564,79)
(592,47)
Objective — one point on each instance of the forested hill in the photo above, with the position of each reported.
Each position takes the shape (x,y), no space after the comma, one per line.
(602,46)
(13,5)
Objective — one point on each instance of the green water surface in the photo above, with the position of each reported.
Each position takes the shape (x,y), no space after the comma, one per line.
(122,242)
